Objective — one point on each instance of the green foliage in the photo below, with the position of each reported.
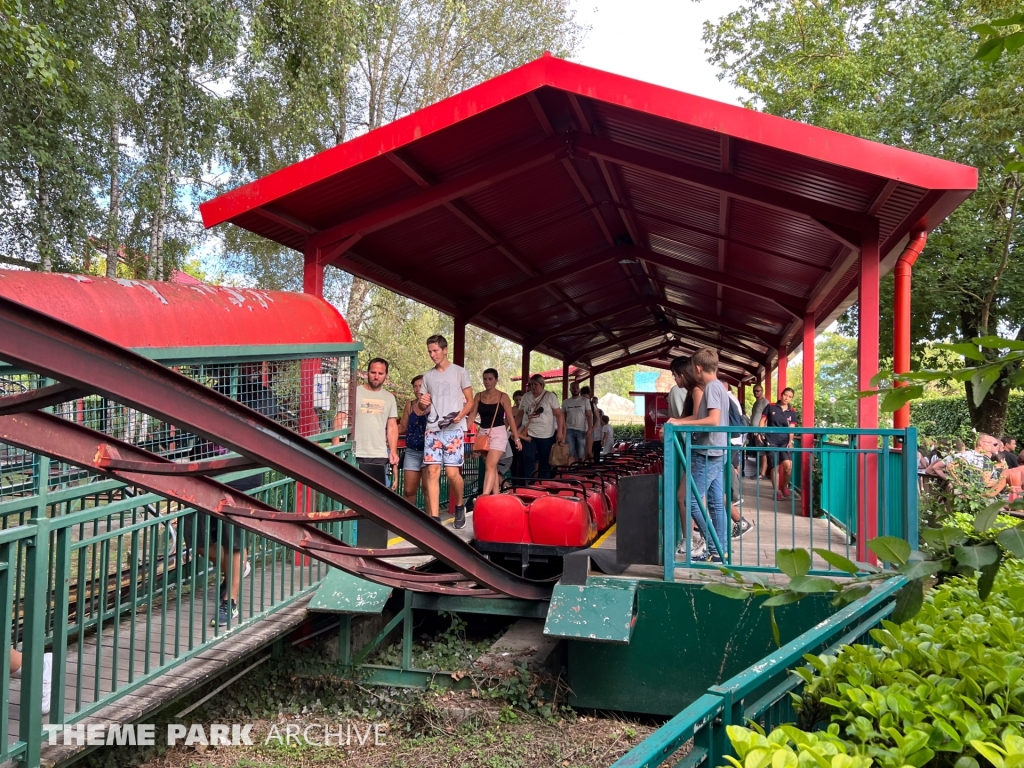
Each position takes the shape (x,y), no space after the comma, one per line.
(835,372)
(789,747)
(628,432)
(31,50)
(906,74)
(944,683)
(1000,35)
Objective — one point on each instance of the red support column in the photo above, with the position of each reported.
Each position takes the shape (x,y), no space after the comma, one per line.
(743,396)
(901,317)
(768,379)
(565,380)
(459,343)
(867,407)
(593,387)
(783,362)
(526,368)
(312,283)
(807,414)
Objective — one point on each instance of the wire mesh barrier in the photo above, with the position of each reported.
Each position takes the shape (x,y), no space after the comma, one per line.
(696,737)
(810,488)
(122,585)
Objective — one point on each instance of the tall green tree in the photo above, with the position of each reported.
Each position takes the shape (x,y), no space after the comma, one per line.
(906,74)
(316,72)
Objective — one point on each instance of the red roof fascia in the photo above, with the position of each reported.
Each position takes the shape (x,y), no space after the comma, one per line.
(811,141)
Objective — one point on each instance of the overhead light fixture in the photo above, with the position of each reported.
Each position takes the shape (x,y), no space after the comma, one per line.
(627,260)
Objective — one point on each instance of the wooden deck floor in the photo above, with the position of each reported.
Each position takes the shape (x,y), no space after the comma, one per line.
(161,636)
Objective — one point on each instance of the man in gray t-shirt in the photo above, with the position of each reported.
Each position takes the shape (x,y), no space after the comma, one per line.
(706,457)
(445,399)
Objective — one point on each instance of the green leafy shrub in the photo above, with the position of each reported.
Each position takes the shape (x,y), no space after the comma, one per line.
(948,680)
(790,747)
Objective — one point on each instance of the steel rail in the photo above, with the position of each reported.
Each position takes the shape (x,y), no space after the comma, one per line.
(45,345)
(73,443)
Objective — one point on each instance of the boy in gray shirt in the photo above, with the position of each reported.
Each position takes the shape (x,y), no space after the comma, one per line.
(706,458)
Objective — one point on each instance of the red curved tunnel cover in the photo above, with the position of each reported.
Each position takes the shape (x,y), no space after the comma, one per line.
(150,314)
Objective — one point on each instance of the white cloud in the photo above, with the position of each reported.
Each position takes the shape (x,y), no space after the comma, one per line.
(658,41)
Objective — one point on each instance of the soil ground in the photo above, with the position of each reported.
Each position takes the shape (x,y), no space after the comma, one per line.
(495,740)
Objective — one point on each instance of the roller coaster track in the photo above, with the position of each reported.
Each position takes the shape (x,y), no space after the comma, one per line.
(86,364)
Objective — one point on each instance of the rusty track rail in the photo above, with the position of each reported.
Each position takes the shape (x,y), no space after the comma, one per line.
(82,362)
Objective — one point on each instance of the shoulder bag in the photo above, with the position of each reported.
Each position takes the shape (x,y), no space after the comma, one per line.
(482,441)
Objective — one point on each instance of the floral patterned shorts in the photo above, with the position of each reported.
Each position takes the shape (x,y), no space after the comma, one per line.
(444,448)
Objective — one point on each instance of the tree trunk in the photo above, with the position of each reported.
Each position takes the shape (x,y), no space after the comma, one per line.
(161,222)
(356,311)
(990,416)
(45,249)
(114,212)
(154,240)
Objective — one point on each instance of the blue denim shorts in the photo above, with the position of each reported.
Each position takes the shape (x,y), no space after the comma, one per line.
(412,461)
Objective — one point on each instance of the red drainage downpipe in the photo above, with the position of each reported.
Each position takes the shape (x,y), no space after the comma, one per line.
(901,317)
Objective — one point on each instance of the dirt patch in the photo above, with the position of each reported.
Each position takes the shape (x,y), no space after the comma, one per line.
(453,731)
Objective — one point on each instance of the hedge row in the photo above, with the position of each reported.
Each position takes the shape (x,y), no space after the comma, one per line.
(628,431)
(948,417)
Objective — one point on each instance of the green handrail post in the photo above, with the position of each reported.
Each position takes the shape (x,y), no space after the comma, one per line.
(910,507)
(669,484)
(62,587)
(7,579)
(407,631)
(37,561)
(694,722)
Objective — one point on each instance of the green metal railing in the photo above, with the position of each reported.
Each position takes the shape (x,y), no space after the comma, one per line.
(103,576)
(878,478)
(759,694)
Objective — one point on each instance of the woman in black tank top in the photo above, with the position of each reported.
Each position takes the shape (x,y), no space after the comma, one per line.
(495,412)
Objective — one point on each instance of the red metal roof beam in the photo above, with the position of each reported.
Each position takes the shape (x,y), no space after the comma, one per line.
(510,164)
(768,339)
(473,308)
(792,304)
(750,191)
(583,322)
(644,334)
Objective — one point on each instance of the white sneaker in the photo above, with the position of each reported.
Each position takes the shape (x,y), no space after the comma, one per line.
(47,681)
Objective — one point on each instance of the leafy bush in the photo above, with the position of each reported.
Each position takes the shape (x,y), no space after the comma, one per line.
(945,682)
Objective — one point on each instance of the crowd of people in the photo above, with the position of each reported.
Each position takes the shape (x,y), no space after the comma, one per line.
(516,433)
(992,465)
(700,398)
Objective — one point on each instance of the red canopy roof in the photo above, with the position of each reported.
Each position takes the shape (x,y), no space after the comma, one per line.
(155,315)
(602,220)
